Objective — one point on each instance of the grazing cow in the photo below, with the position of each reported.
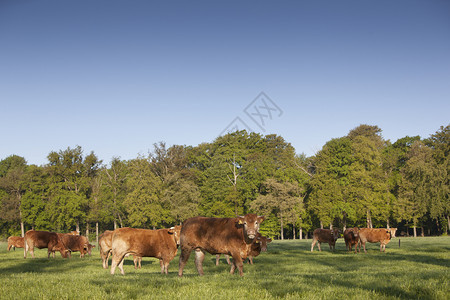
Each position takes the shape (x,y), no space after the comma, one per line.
(15,242)
(232,236)
(104,245)
(161,243)
(75,243)
(325,236)
(88,248)
(375,235)
(44,239)
(351,237)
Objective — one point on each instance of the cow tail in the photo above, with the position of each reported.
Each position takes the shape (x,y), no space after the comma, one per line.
(25,246)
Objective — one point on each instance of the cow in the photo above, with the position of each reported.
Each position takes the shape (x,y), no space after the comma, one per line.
(75,243)
(44,239)
(15,242)
(104,245)
(326,236)
(232,236)
(88,248)
(351,237)
(160,243)
(259,245)
(375,235)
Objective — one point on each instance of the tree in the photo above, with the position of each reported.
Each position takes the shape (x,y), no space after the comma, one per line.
(114,191)
(12,172)
(282,199)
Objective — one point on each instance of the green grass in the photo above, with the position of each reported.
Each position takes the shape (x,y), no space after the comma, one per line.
(419,269)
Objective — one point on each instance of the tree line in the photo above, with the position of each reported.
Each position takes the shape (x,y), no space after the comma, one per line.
(356,180)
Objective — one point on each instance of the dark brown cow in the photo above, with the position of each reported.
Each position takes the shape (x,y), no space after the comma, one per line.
(44,239)
(161,243)
(375,235)
(75,243)
(232,236)
(105,246)
(15,242)
(351,237)
(325,236)
(259,245)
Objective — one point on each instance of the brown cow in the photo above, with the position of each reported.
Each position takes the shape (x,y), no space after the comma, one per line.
(325,236)
(104,245)
(75,243)
(258,246)
(375,235)
(232,236)
(44,239)
(161,243)
(15,242)
(351,237)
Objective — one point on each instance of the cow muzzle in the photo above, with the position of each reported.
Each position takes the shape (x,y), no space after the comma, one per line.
(251,234)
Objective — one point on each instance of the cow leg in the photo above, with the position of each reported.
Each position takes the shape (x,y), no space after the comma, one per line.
(117,260)
(184,256)
(217,259)
(318,245)
(164,266)
(313,244)
(228,259)
(237,262)
(199,257)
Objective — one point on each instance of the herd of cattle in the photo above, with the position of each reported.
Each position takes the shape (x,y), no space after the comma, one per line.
(236,237)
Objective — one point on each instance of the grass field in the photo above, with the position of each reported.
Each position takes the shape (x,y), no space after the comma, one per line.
(419,269)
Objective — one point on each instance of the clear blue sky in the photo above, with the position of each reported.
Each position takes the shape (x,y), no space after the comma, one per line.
(117,76)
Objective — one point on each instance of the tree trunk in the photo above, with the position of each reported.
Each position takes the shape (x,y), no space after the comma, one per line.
(96,232)
(321,224)
(422,232)
(387,223)
(300,233)
(293,230)
(344,220)
(115,225)
(331,226)
(415,230)
(448,225)
(281,230)
(22,229)
(369,219)
(87,230)
(77,226)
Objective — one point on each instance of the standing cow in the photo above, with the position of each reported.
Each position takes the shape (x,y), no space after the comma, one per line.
(15,242)
(232,236)
(325,236)
(161,243)
(105,246)
(76,243)
(375,235)
(351,237)
(44,239)
(259,245)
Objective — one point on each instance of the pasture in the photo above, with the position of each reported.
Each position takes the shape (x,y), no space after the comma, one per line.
(419,269)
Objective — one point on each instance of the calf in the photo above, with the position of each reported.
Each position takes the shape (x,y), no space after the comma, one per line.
(15,242)
(232,236)
(44,239)
(104,245)
(325,236)
(258,246)
(351,237)
(161,243)
(375,235)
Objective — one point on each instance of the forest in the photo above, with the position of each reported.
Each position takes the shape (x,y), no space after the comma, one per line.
(359,179)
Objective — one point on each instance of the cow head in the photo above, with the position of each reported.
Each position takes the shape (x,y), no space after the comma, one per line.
(250,223)
(176,230)
(336,233)
(264,241)
(88,247)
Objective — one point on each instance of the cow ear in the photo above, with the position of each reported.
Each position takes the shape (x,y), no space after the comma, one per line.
(261,218)
(269,240)
(171,230)
(240,220)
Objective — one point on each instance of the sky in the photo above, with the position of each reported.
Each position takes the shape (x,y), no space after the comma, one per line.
(115,77)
